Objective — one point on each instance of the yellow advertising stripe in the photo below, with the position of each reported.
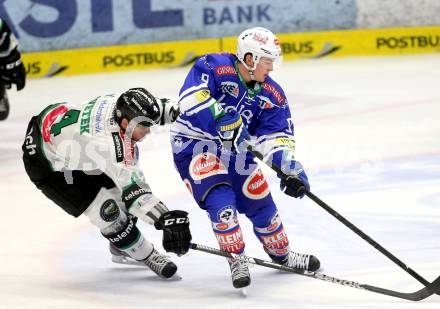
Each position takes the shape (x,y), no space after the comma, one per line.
(116,58)
(340,43)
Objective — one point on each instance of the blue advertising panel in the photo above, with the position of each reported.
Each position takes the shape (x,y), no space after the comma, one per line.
(67,24)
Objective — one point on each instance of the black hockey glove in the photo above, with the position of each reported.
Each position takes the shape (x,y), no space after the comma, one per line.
(169,111)
(12,70)
(296,182)
(176,233)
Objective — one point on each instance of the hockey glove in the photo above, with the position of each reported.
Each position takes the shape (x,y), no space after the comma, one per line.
(12,70)
(176,233)
(231,130)
(169,111)
(295,182)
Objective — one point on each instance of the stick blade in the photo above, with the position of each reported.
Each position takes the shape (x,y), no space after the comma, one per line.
(421,294)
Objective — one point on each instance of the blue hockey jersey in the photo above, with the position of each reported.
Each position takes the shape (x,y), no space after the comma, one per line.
(214,84)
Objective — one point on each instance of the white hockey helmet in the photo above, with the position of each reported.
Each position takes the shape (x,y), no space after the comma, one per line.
(260,42)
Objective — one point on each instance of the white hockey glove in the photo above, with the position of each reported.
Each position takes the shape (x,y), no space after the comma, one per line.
(169,111)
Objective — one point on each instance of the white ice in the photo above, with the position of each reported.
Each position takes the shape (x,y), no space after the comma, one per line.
(368,133)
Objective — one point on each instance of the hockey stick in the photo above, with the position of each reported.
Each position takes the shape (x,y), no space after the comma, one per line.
(421,294)
(347,223)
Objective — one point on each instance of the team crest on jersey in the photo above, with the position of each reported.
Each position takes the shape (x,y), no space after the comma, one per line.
(225,70)
(49,120)
(255,187)
(230,88)
(227,215)
(226,219)
(109,211)
(205,165)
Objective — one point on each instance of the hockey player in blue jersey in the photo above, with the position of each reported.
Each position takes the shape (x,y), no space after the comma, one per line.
(226,99)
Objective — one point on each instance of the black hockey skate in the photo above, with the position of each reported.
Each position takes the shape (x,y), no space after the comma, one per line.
(160,264)
(239,273)
(299,261)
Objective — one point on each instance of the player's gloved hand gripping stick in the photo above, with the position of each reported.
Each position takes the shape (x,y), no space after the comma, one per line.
(176,232)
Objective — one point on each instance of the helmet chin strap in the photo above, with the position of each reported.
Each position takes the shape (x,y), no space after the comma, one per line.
(251,74)
(249,70)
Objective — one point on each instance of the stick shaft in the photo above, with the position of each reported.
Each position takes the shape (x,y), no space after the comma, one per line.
(416,296)
(347,223)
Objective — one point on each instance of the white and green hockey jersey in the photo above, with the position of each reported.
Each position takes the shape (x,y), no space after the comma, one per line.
(87,138)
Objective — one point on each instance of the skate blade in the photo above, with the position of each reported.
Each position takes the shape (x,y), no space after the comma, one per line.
(243,292)
(125,261)
(175,277)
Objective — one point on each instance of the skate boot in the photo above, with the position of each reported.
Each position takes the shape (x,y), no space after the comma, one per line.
(239,273)
(120,257)
(299,261)
(4,103)
(160,264)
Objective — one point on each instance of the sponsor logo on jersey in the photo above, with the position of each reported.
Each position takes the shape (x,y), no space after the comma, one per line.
(109,211)
(99,120)
(232,241)
(284,141)
(49,120)
(124,234)
(281,100)
(131,152)
(216,110)
(119,151)
(225,70)
(220,226)
(85,117)
(135,193)
(230,88)
(275,223)
(255,187)
(206,165)
(29,142)
(202,95)
(276,243)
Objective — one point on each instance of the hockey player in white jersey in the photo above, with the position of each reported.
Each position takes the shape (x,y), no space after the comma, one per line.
(12,70)
(85,159)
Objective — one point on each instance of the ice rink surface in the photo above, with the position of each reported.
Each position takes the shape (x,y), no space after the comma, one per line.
(368,134)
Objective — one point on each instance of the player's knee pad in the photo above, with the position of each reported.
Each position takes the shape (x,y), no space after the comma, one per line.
(221,208)
(273,237)
(105,213)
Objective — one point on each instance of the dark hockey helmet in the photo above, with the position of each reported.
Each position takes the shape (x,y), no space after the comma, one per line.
(137,102)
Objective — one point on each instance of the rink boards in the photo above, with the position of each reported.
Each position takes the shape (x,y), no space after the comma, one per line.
(341,43)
